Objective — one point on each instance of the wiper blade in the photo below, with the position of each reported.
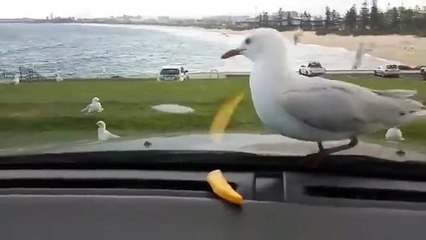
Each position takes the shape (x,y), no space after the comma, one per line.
(210,160)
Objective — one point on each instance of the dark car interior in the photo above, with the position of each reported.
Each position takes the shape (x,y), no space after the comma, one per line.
(164,195)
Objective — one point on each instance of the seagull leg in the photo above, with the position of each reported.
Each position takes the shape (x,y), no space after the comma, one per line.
(328,151)
(316,158)
(400,151)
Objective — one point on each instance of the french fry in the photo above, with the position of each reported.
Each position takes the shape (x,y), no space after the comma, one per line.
(221,187)
(223,117)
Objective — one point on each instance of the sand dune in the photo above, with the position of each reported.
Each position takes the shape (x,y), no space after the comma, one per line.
(406,49)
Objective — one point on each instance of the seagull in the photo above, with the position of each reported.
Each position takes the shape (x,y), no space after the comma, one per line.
(358,56)
(95,106)
(297,35)
(394,135)
(104,134)
(361,50)
(59,78)
(16,79)
(316,109)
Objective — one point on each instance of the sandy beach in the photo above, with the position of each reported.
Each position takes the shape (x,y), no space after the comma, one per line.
(406,49)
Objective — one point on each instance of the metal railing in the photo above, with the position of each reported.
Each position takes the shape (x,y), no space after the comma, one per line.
(216,74)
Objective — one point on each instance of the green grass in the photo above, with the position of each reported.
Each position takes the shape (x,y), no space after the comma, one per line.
(42,112)
(41,108)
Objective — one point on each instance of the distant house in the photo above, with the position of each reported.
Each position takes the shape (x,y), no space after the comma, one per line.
(247,23)
(163,19)
(291,14)
(235,19)
(186,22)
(290,23)
(317,24)
(296,21)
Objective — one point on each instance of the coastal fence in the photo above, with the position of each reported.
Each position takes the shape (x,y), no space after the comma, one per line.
(327,72)
(25,74)
(29,74)
(216,74)
(212,74)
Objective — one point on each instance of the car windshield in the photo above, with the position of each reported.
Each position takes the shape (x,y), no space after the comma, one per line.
(92,75)
(169,71)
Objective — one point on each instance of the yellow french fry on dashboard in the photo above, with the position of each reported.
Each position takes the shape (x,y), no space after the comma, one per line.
(223,116)
(222,188)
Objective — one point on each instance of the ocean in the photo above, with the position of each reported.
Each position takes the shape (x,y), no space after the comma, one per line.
(91,50)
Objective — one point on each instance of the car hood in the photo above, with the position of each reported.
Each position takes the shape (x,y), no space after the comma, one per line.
(268,144)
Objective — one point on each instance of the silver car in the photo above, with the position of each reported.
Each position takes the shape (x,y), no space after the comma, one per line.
(389,70)
(173,74)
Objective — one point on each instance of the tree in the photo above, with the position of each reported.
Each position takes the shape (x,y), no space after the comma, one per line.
(365,16)
(419,20)
(327,17)
(306,21)
(289,19)
(407,19)
(280,18)
(260,20)
(334,16)
(351,18)
(396,19)
(374,16)
(394,15)
(265,19)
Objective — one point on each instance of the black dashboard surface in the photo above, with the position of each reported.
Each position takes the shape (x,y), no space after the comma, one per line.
(97,204)
(109,217)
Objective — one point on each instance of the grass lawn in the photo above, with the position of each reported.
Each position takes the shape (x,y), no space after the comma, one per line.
(42,112)
(46,111)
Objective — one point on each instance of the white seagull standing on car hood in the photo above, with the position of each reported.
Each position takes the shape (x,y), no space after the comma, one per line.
(394,135)
(94,107)
(316,109)
(104,134)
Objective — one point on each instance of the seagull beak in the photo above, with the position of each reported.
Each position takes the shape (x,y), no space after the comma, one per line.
(233,52)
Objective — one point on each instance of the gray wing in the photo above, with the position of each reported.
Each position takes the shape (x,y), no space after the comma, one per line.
(341,108)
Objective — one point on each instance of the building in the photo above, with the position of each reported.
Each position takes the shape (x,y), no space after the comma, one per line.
(163,19)
(291,14)
(247,23)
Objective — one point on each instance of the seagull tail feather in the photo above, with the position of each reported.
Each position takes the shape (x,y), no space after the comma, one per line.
(396,93)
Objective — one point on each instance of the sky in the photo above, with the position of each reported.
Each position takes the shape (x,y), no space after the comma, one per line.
(174,8)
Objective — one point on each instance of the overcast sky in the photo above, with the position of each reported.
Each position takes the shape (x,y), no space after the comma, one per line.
(178,8)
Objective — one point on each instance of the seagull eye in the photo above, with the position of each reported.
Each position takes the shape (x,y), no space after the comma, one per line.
(248,41)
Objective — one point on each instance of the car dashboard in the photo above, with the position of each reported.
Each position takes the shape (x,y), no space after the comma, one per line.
(147,203)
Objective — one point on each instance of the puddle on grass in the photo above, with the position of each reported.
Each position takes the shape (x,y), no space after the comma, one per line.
(172,108)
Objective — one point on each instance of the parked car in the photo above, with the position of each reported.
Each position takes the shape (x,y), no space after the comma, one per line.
(312,69)
(173,73)
(423,72)
(388,70)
